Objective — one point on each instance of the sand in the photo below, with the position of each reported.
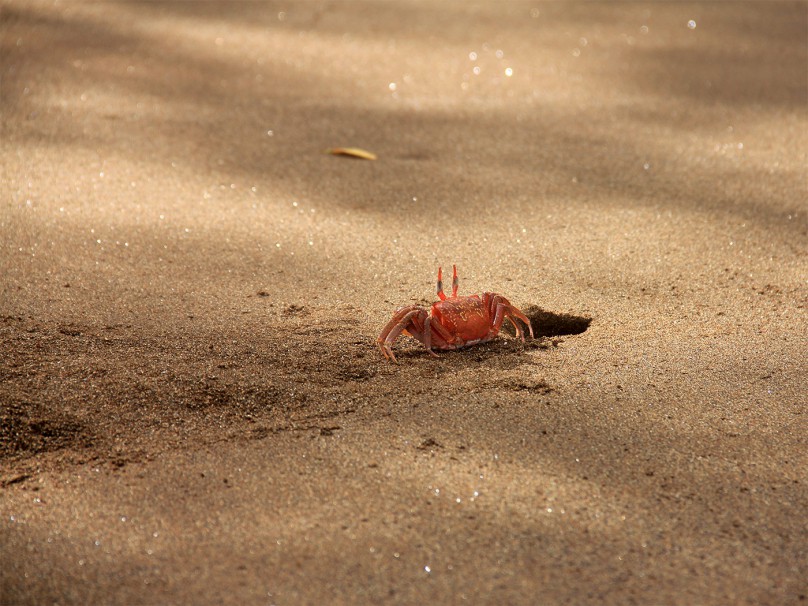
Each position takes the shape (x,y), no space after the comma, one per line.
(192,406)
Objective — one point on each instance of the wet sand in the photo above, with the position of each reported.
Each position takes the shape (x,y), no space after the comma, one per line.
(192,407)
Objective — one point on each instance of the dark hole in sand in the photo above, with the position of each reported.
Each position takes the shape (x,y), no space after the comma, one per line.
(550,324)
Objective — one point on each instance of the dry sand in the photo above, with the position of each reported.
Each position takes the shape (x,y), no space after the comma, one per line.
(193,409)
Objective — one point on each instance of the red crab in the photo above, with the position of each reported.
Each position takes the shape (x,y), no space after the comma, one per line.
(455,321)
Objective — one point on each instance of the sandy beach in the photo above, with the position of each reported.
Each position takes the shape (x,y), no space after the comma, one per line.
(193,408)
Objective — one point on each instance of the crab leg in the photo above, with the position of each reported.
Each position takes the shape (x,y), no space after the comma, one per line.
(397,318)
(421,328)
(416,322)
(442,338)
(502,312)
(491,301)
(500,315)
(502,308)
(397,315)
(438,335)
(521,316)
(398,328)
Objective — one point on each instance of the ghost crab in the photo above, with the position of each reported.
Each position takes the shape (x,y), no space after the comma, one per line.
(455,321)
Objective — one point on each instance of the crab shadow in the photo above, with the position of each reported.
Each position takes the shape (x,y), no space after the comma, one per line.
(499,354)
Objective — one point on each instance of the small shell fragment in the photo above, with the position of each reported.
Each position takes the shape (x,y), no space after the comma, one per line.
(354,152)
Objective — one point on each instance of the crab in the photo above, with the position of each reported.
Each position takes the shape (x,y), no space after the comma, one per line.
(455,321)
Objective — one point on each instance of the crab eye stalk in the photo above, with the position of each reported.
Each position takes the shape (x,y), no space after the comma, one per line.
(441,294)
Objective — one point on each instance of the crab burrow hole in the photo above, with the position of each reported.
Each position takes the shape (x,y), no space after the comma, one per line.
(550,324)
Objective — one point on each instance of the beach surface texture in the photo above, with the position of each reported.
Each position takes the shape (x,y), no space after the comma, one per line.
(210,210)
